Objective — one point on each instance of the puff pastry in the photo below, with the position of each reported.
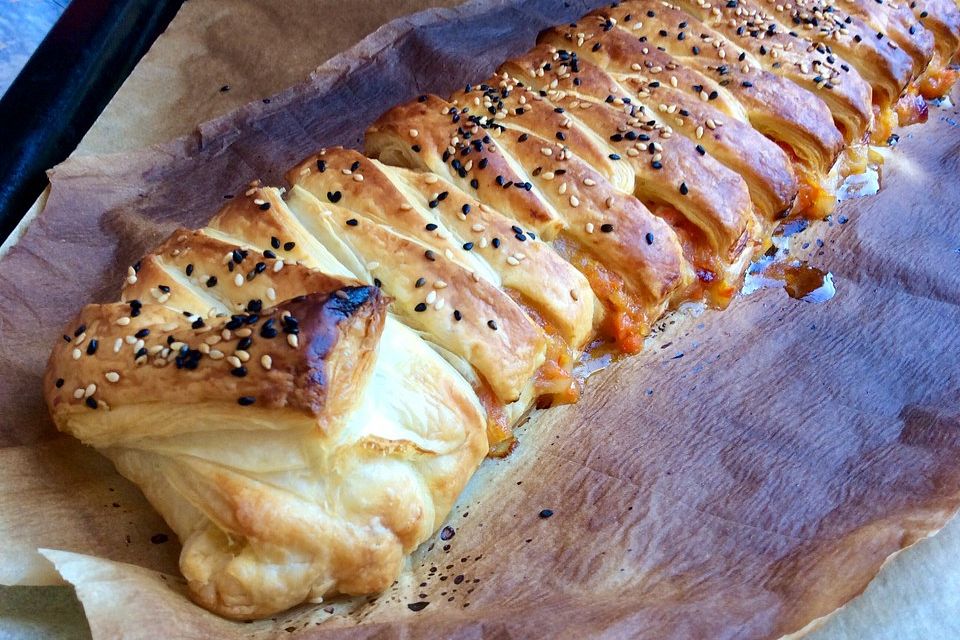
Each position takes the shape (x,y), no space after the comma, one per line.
(304,387)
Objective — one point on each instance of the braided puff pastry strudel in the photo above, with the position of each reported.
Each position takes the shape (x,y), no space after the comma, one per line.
(303,387)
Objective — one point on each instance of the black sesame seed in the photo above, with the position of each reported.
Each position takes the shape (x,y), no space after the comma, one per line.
(649,238)
(288,246)
(246,401)
(467,246)
(683,189)
(275,242)
(420,282)
(466,209)
(79,330)
(264,206)
(421,307)
(143,333)
(355,166)
(334,196)
(496,243)
(352,222)
(189,270)
(59,383)
(322,165)
(92,346)
(492,324)
(212,281)
(606,227)
(239,372)
(457,315)
(614,156)
(701,150)
(429,255)
(545,513)
(90,402)
(245,343)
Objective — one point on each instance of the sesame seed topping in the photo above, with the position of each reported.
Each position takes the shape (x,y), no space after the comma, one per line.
(76,353)
(112,376)
(246,401)
(492,324)
(292,340)
(606,228)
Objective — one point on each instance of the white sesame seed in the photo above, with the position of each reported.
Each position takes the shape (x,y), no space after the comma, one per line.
(563,188)
(589,182)
(358,177)
(431,297)
(243,355)
(112,376)
(90,390)
(78,393)
(215,354)
(431,179)
(277,266)
(170,326)
(478,227)
(512,261)
(305,171)
(271,293)
(238,280)
(405,206)
(138,344)
(414,133)
(226,334)
(372,265)
(234,361)
(131,279)
(448,254)
(203,348)
(266,362)
(574,201)
(440,304)
(546,151)
(76,354)
(117,345)
(155,349)
(123,321)
(243,332)
(589,227)
(292,340)
(549,175)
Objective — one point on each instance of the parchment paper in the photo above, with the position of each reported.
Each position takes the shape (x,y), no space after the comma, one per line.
(745,488)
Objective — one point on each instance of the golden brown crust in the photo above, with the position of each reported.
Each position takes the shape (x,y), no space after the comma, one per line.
(301,436)
(439,215)
(774,106)
(126,354)
(436,295)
